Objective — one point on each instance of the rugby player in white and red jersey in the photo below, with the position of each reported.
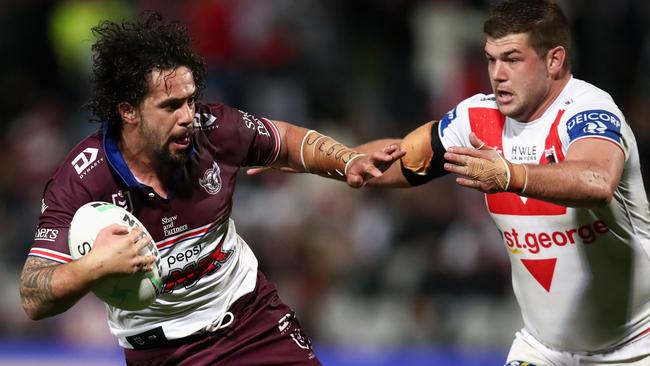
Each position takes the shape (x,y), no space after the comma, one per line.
(173,163)
(560,168)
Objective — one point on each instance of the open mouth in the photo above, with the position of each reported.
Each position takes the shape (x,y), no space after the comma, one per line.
(181,142)
(504,97)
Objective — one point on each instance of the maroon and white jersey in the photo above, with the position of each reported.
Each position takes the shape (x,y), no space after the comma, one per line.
(581,276)
(206,266)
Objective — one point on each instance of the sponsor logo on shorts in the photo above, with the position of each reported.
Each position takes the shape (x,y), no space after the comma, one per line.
(288,325)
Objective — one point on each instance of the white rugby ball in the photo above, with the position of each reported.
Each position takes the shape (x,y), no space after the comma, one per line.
(129,292)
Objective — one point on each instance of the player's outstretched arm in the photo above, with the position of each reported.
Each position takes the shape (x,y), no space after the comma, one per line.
(583,179)
(422,160)
(393,176)
(312,152)
(48,288)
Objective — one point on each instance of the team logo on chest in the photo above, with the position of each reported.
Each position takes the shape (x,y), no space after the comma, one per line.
(211,180)
(123,199)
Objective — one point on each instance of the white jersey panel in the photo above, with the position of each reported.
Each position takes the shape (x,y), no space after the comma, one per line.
(230,271)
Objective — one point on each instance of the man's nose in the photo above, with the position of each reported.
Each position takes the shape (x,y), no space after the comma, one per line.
(497,71)
(187,115)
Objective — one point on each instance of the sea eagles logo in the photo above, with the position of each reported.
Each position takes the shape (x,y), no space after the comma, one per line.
(211,180)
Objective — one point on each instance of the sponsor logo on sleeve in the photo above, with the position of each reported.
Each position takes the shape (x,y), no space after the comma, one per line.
(203,120)
(597,122)
(46,234)
(43,206)
(86,161)
(446,120)
(254,123)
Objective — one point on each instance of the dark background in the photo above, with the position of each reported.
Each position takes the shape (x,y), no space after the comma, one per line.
(400,270)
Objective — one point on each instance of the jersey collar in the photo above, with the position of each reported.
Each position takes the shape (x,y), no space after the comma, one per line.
(117,162)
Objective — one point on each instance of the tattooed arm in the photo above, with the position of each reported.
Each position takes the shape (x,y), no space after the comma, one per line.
(48,288)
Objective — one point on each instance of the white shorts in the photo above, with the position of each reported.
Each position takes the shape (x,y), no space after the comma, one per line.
(526,350)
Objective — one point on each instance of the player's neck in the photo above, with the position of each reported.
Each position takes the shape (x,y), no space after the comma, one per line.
(143,165)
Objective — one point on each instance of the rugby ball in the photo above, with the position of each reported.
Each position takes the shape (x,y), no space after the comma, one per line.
(129,292)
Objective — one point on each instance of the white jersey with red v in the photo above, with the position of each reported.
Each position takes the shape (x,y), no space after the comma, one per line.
(579,275)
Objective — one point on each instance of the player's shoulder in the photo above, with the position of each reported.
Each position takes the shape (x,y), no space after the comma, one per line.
(582,95)
(84,165)
(83,176)
(585,102)
(218,119)
(462,110)
(209,116)
(479,100)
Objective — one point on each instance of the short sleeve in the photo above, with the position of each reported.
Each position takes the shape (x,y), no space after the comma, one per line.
(60,201)
(454,128)
(254,140)
(598,123)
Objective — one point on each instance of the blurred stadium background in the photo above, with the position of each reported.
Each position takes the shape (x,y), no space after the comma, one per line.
(408,277)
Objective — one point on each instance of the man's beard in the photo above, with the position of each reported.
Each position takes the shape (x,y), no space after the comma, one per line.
(162,152)
(166,157)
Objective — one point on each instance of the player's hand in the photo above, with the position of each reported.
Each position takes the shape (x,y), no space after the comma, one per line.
(366,167)
(117,252)
(480,167)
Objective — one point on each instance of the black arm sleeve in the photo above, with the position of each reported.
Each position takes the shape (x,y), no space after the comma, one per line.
(437,161)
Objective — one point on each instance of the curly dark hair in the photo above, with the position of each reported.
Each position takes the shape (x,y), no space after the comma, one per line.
(124,55)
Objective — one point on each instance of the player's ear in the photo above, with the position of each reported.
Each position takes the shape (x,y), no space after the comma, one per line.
(128,112)
(555,59)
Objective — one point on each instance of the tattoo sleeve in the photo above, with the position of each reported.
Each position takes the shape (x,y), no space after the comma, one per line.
(37,290)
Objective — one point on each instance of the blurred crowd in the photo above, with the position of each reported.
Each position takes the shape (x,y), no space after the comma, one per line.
(361,267)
